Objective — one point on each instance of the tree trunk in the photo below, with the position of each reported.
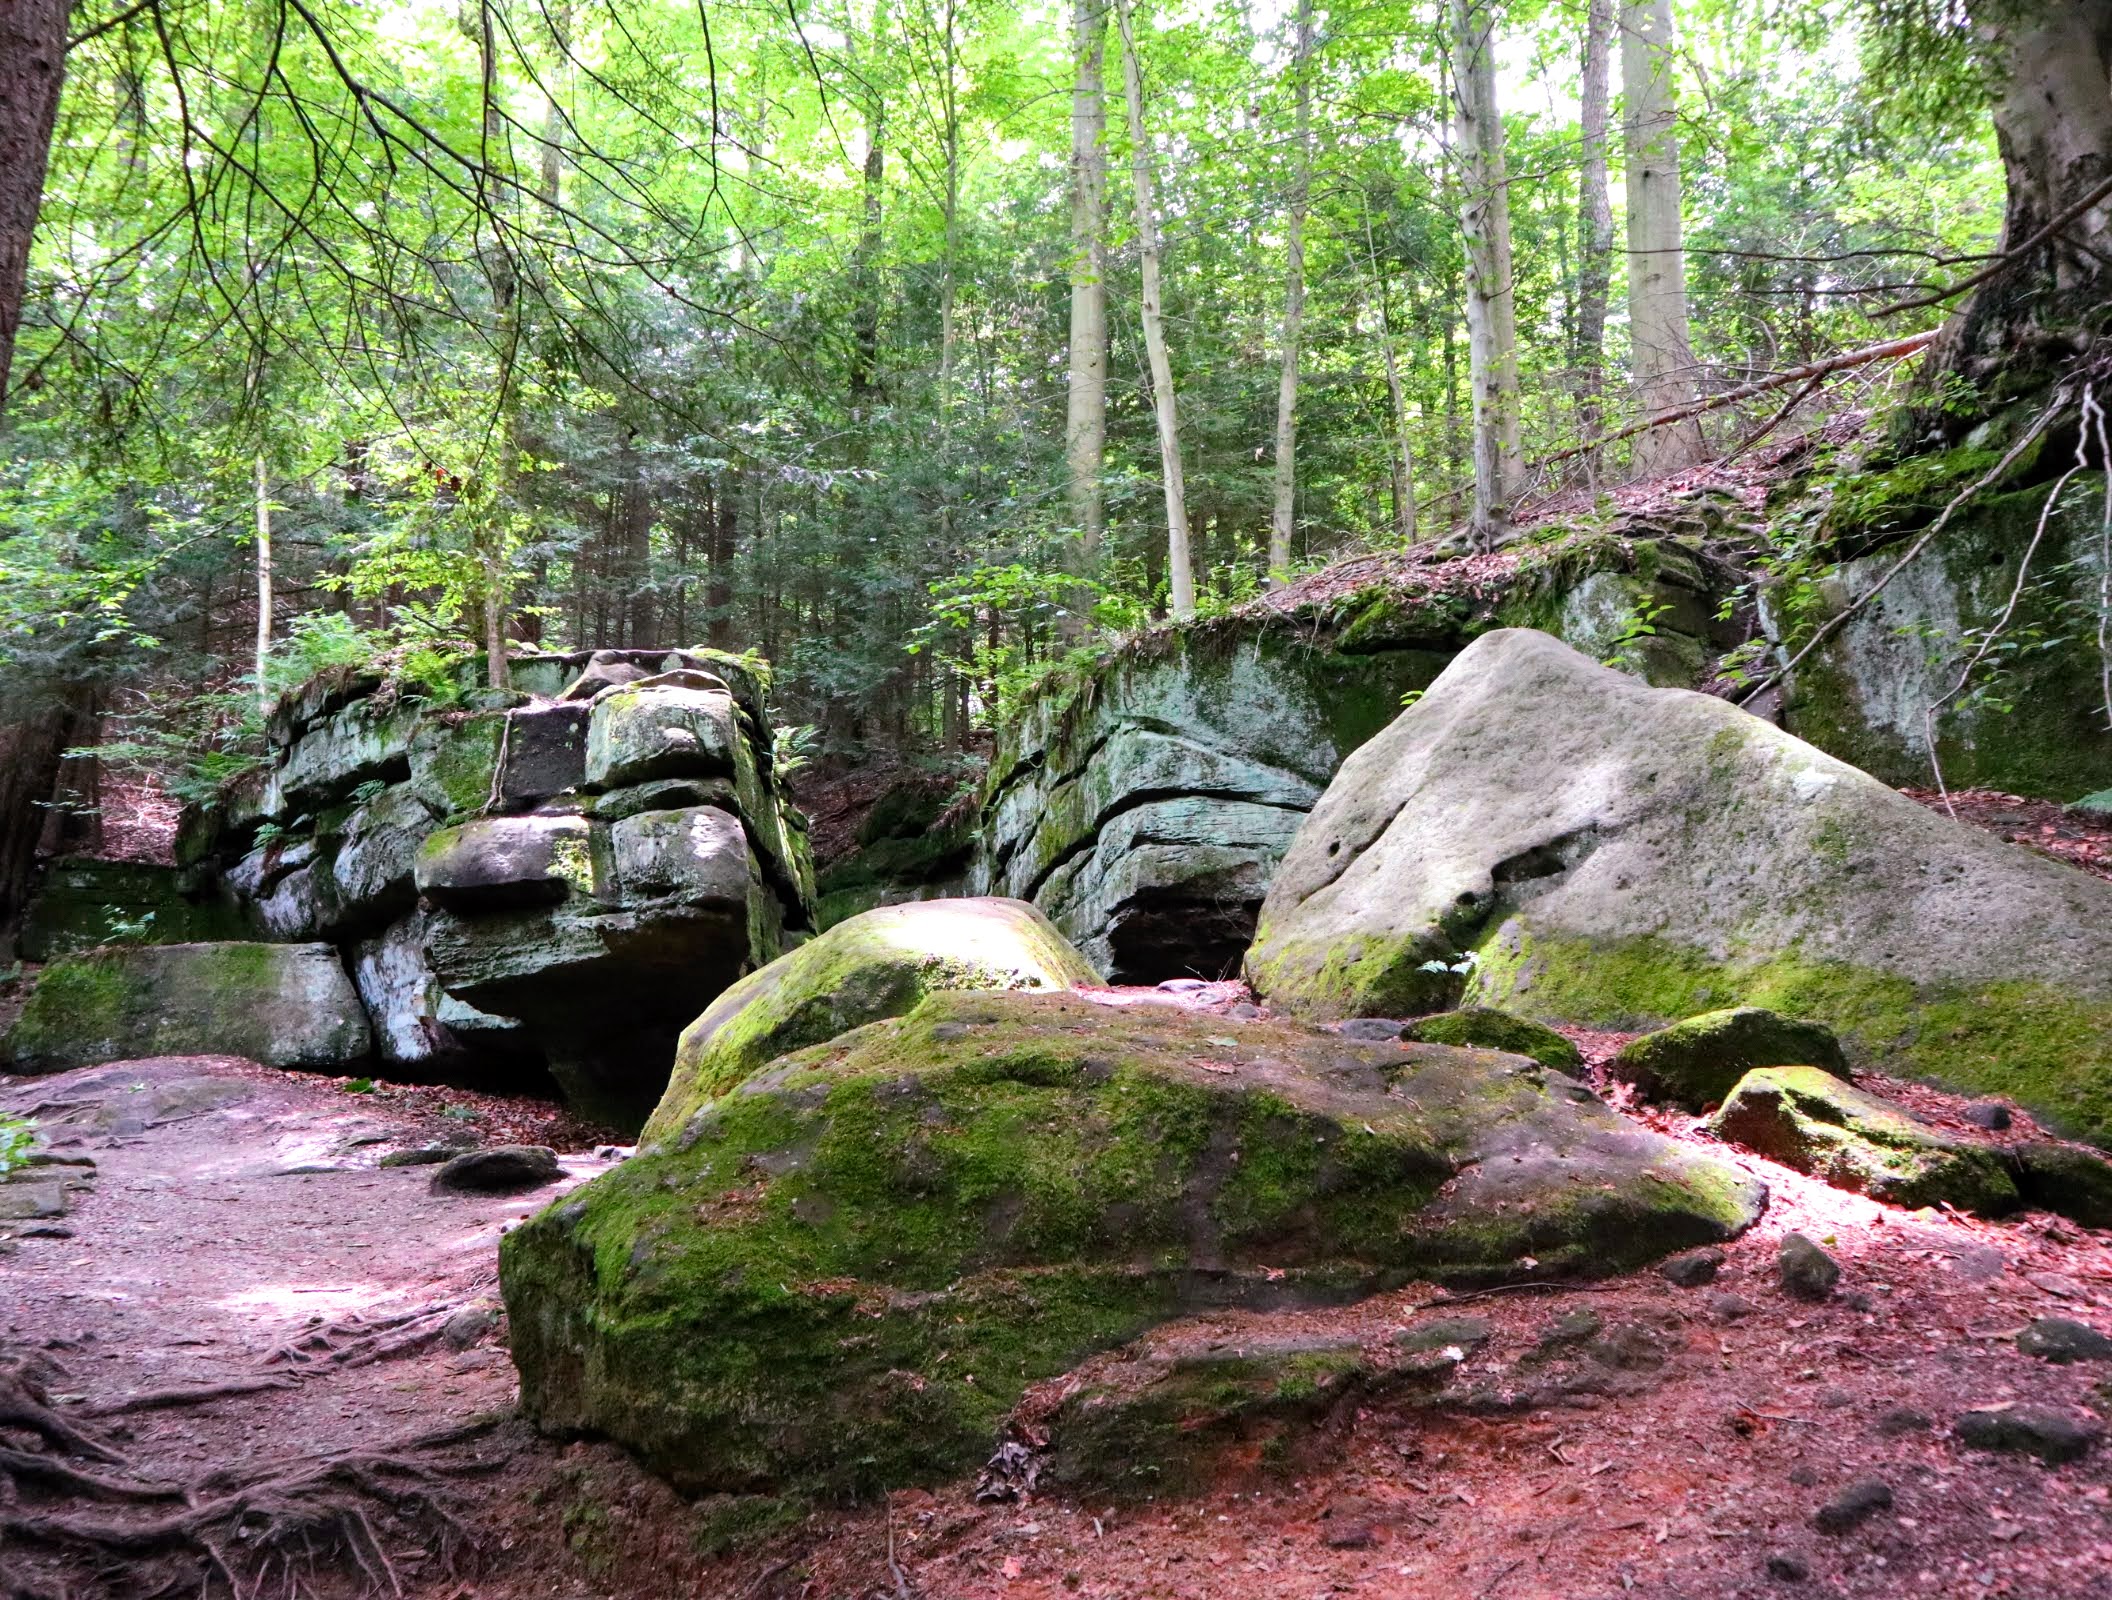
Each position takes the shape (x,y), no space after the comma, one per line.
(264,596)
(865,267)
(2052,64)
(718,589)
(1280,526)
(1594,220)
(38,723)
(1085,428)
(32,67)
(1180,566)
(1657,268)
(1401,457)
(1492,318)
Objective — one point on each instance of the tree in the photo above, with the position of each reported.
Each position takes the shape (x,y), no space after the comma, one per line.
(1085,428)
(1594,215)
(1180,564)
(1663,352)
(1280,526)
(1492,318)
(2051,66)
(32,70)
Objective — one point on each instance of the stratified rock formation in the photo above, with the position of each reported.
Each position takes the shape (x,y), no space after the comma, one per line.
(559,876)
(1615,855)
(844,1272)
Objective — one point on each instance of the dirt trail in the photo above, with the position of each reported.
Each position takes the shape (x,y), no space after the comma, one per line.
(235,1212)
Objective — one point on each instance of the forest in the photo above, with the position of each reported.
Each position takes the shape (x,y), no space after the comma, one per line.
(893,799)
(910,346)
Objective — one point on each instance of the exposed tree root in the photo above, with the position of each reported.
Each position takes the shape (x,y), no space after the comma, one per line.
(169,1399)
(271,1526)
(359,1341)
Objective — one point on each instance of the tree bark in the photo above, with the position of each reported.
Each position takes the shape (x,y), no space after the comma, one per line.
(1663,351)
(1180,565)
(1085,427)
(2052,63)
(1401,457)
(1280,526)
(32,69)
(865,267)
(1492,317)
(1594,219)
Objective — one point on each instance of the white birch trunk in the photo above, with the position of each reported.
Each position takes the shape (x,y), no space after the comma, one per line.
(1085,430)
(263,490)
(1180,564)
(1663,354)
(1280,526)
(1492,317)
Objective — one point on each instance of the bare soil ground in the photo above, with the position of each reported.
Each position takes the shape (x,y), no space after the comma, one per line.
(238,1231)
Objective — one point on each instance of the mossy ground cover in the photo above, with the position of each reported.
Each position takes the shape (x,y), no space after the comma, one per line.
(2047,1049)
(840,1276)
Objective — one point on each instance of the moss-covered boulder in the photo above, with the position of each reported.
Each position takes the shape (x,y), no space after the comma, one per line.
(1697,1062)
(1618,856)
(286,1005)
(1487,1028)
(878,964)
(2065,1179)
(1810,1120)
(843,1274)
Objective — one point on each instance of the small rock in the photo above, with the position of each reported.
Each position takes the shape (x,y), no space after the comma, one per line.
(1726,1307)
(25,1202)
(1808,1272)
(1853,1506)
(1804,1477)
(1786,1568)
(1243,1011)
(468,1326)
(45,1230)
(1992,1115)
(1370,1030)
(502,1169)
(1857,1300)
(1349,1536)
(1834,1399)
(2059,1340)
(2025,1430)
(48,1158)
(1903,1419)
(1690,1269)
(1440,1333)
(1183,985)
(430,1155)
(1572,1327)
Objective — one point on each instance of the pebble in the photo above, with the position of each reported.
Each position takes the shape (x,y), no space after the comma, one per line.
(1787,1568)
(2060,1340)
(1808,1272)
(431,1155)
(1690,1269)
(2025,1430)
(502,1169)
(469,1325)
(1992,1115)
(1243,1011)
(1804,1477)
(1853,1506)
(1730,1307)
(1904,1419)
(1182,985)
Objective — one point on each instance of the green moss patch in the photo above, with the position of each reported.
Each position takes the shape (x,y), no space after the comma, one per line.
(1489,1029)
(1697,1062)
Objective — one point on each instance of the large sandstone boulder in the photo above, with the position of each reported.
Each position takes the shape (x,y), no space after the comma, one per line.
(878,964)
(843,1273)
(1145,803)
(286,1005)
(1613,855)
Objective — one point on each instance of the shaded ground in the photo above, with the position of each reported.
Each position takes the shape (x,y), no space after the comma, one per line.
(236,1212)
(2074,838)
